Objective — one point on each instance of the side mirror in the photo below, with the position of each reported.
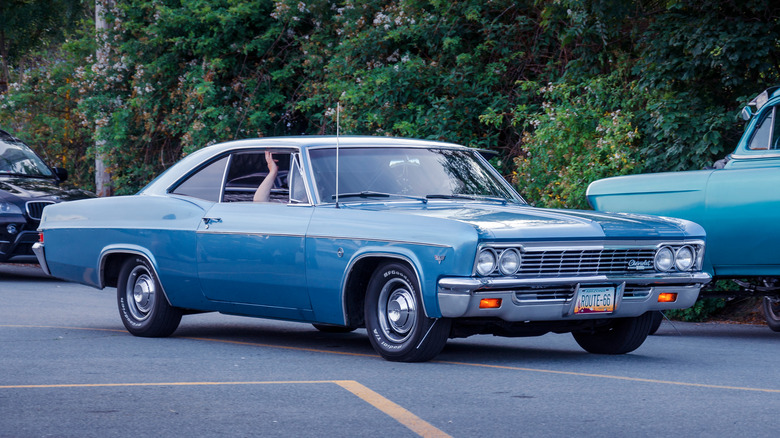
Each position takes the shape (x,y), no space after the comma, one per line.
(746,113)
(61,173)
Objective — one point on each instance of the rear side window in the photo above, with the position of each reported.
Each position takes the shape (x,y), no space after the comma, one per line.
(206,183)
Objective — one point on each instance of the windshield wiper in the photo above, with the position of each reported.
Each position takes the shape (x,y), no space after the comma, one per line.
(24,175)
(370,194)
(469,197)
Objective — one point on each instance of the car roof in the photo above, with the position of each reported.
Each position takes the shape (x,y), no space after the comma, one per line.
(302,142)
(346,141)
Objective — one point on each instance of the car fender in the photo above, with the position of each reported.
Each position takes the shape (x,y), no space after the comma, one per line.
(427,273)
(108,271)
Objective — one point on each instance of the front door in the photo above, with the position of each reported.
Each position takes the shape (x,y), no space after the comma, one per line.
(253,253)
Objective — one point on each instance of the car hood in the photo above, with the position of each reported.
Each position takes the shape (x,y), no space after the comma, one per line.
(509,222)
(40,188)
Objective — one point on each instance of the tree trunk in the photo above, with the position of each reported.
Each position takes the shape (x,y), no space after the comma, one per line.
(102,175)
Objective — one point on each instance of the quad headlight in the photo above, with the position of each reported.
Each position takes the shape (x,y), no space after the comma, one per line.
(681,258)
(684,258)
(486,262)
(509,261)
(664,259)
(492,261)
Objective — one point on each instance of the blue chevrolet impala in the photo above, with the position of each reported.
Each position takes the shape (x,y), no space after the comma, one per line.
(416,241)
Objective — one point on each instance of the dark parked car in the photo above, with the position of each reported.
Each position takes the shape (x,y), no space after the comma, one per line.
(27,185)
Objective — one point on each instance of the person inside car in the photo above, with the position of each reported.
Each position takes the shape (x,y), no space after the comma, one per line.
(263,192)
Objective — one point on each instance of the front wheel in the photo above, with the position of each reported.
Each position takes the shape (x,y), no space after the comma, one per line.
(658,318)
(771,307)
(620,336)
(395,320)
(142,305)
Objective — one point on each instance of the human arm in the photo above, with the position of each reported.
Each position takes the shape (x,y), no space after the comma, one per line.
(263,192)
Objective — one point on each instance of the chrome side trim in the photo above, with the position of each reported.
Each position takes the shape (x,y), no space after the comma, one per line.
(242,233)
(368,239)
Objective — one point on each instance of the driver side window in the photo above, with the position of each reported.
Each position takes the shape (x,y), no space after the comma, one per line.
(249,169)
(767,133)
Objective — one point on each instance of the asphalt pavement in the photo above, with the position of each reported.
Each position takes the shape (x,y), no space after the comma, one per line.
(69,369)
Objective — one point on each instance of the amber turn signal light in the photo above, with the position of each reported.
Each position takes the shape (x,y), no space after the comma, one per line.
(490,303)
(667,297)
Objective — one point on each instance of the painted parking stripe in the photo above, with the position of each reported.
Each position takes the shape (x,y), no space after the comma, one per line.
(408,419)
(393,410)
(504,367)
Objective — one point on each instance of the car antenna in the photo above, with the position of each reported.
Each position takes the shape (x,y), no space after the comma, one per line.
(338,121)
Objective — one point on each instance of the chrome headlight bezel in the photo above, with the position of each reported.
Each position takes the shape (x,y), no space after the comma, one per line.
(487,260)
(509,261)
(664,259)
(685,258)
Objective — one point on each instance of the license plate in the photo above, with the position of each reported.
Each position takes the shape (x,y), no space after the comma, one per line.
(595,300)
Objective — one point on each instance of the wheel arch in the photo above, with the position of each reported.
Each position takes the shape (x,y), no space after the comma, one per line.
(359,273)
(112,258)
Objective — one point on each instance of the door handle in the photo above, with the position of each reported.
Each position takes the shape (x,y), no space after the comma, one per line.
(211,220)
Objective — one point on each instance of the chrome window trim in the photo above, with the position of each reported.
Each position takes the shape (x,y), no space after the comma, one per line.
(224,179)
(296,156)
(229,153)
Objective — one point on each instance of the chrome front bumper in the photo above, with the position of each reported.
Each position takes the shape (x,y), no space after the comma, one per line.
(635,295)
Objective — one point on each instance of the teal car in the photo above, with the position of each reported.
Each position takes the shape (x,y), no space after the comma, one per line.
(737,202)
(415,241)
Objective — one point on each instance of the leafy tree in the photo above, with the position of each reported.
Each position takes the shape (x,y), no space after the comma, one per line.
(38,94)
(29,25)
(566,90)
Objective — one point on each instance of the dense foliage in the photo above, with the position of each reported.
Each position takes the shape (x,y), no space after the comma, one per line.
(567,91)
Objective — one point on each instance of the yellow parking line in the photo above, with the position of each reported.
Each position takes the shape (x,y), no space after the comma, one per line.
(609,376)
(393,410)
(65,328)
(504,367)
(116,385)
(408,419)
(284,347)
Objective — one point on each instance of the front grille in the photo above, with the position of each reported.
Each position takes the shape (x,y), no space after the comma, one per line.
(585,262)
(35,209)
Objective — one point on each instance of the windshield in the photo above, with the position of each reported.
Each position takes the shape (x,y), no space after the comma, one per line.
(407,172)
(18,159)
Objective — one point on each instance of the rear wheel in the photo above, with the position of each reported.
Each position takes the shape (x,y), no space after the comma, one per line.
(620,336)
(771,307)
(395,320)
(142,305)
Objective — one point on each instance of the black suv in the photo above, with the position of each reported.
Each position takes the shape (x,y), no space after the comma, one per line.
(27,185)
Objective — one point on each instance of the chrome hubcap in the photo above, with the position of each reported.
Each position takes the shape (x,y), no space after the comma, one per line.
(141,293)
(397,310)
